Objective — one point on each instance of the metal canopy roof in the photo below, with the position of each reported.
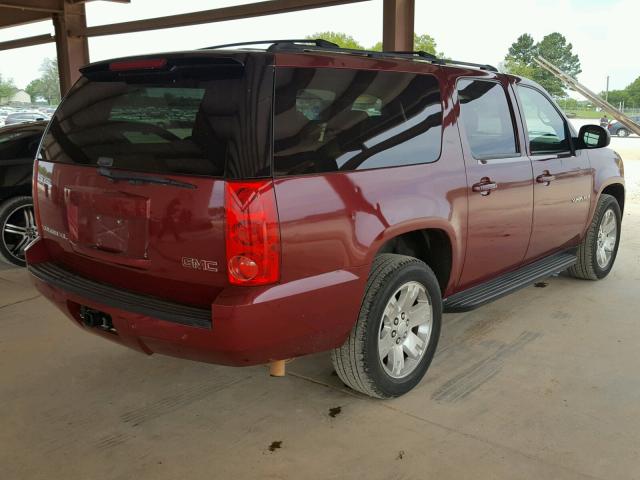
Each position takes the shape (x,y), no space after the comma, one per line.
(19,12)
(72,32)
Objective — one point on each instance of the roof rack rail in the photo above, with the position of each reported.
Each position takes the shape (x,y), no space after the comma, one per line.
(446,61)
(481,66)
(318,42)
(416,53)
(324,45)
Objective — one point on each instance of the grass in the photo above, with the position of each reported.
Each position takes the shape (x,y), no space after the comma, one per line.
(584,113)
(590,113)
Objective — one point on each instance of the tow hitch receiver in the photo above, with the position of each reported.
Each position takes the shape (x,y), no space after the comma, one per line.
(96,319)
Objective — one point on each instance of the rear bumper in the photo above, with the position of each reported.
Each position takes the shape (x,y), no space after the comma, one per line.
(64,280)
(250,325)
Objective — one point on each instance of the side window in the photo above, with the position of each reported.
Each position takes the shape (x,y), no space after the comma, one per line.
(19,145)
(486,119)
(546,128)
(329,120)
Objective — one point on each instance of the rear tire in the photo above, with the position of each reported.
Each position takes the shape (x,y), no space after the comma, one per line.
(17,229)
(623,132)
(591,264)
(381,358)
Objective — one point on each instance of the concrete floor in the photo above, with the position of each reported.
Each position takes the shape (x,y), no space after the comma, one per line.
(542,384)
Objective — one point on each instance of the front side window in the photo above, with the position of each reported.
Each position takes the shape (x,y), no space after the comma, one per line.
(486,119)
(546,128)
(329,120)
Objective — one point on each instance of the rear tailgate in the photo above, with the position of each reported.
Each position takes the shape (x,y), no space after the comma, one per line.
(131,174)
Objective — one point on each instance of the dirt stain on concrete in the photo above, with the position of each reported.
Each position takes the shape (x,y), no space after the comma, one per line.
(174,401)
(275,445)
(560,315)
(476,375)
(540,284)
(335,411)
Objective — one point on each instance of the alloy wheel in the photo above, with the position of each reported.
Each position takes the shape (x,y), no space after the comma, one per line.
(607,236)
(18,231)
(405,330)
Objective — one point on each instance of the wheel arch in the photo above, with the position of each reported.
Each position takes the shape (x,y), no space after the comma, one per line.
(434,243)
(617,191)
(612,185)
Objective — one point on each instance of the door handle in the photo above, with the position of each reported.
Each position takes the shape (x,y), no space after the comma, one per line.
(545,178)
(484,186)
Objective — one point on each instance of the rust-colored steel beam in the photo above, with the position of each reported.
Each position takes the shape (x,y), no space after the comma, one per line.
(27,42)
(87,1)
(73,51)
(19,12)
(398,25)
(11,17)
(46,6)
(236,12)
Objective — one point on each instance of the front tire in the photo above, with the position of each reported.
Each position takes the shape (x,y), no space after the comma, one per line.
(623,132)
(597,252)
(394,340)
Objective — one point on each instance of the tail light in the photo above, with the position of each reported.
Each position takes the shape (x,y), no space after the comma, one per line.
(35,184)
(252,233)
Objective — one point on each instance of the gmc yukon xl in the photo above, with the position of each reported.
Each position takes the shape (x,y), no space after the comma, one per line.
(242,206)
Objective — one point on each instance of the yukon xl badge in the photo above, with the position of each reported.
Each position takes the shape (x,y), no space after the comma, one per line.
(198,264)
(55,233)
(581,198)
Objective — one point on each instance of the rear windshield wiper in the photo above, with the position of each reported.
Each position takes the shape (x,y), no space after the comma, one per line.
(141,179)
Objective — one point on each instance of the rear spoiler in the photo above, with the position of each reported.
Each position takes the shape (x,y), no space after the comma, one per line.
(159,66)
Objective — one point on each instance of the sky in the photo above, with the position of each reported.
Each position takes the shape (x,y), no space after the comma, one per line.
(603,32)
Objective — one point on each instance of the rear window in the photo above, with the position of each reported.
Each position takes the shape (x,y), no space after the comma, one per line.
(329,120)
(213,124)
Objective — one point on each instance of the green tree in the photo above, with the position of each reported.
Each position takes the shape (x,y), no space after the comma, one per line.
(341,39)
(423,43)
(522,51)
(48,85)
(615,97)
(630,95)
(7,88)
(555,48)
(633,93)
(513,67)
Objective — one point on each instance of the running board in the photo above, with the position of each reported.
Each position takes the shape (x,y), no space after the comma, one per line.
(508,283)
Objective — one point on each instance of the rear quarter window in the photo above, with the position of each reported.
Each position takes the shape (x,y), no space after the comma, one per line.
(330,120)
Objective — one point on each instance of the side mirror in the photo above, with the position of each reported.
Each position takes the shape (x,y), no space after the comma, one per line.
(593,136)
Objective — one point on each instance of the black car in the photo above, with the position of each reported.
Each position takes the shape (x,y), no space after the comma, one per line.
(25,117)
(18,146)
(616,128)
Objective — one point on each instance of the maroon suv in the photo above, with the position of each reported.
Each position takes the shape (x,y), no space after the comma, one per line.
(245,206)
